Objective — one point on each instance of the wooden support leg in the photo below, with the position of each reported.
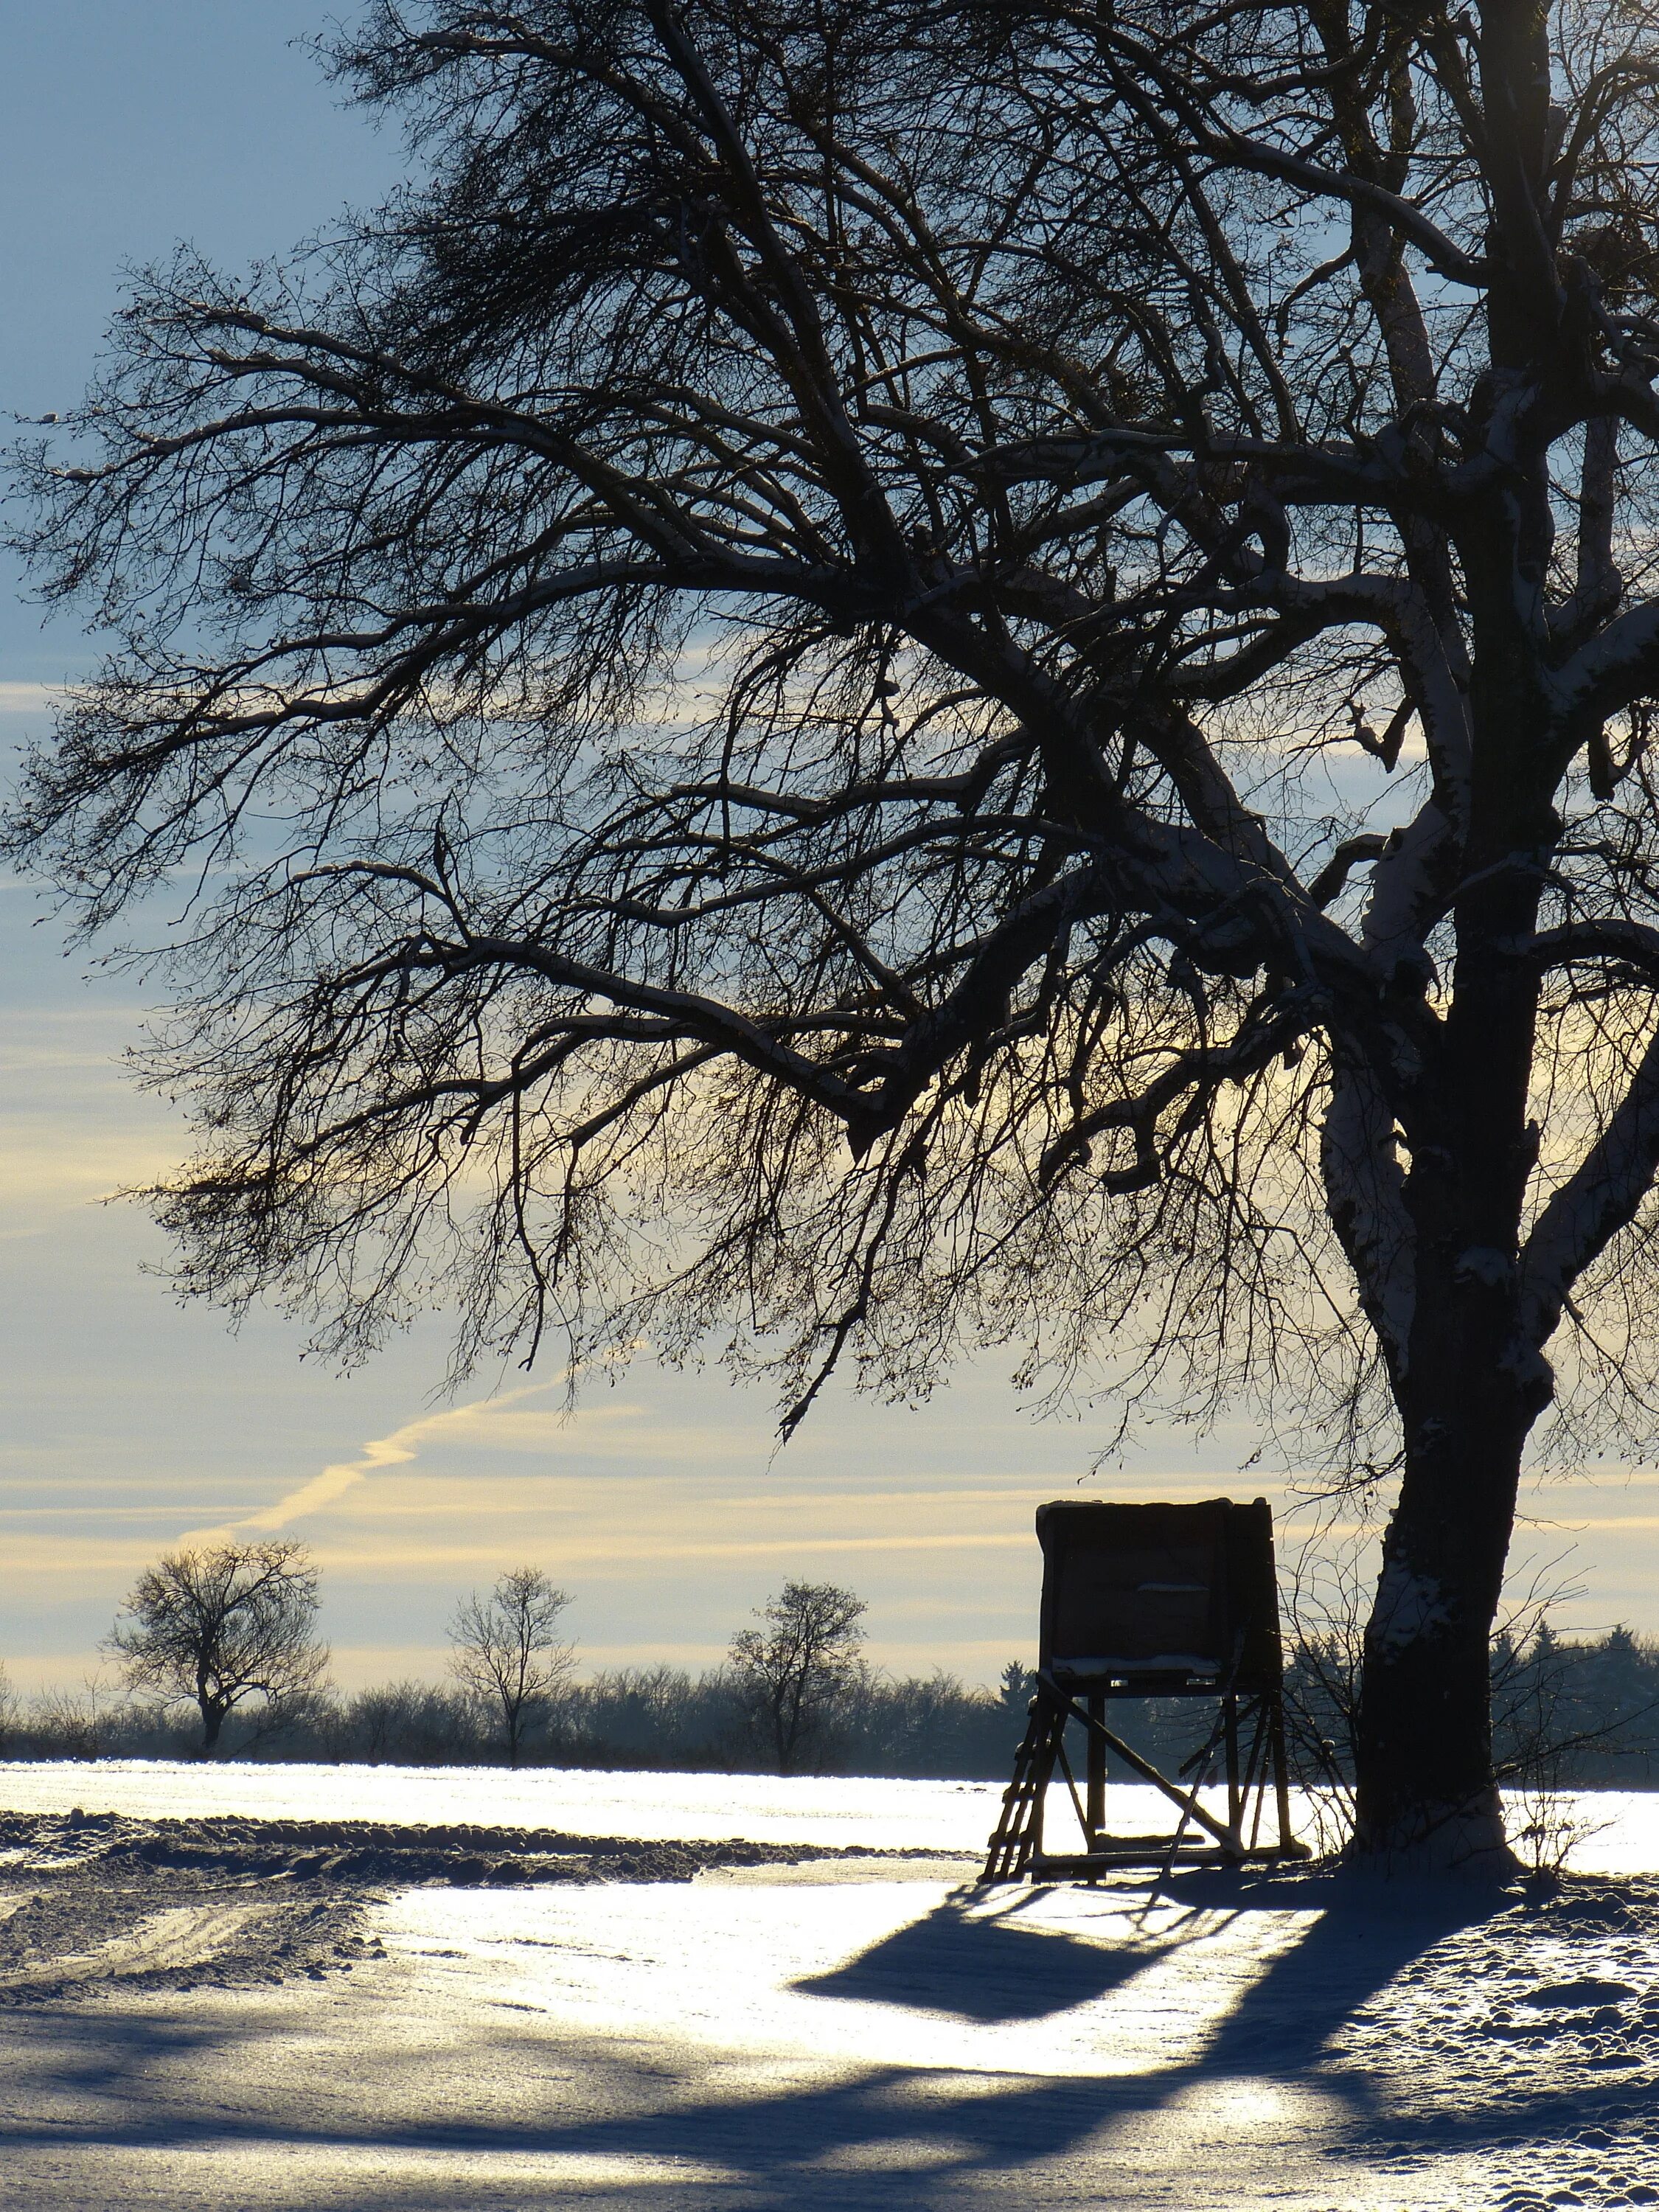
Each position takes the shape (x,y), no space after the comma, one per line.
(1281,1771)
(1255,1766)
(1043,1769)
(1235,1801)
(1095,1799)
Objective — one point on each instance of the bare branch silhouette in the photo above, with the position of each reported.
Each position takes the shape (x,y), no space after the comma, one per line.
(928,676)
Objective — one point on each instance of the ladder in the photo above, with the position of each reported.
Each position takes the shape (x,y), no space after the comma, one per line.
(1017,1837)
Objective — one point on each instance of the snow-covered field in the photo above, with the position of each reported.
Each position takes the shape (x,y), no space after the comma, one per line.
(896,1815)
(1617,1832)
(837,2036)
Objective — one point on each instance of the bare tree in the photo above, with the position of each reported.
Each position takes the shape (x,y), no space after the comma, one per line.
(792,1670)
(507,1650)
(992,666)
(221,1626)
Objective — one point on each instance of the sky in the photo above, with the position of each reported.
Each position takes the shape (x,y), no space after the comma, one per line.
(128,1422)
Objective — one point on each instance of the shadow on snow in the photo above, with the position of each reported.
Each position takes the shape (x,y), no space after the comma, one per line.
(1360,1934)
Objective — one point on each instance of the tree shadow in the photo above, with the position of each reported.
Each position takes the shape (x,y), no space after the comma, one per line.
(1363,1930)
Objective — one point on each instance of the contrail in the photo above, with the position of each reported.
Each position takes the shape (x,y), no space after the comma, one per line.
(325,1489)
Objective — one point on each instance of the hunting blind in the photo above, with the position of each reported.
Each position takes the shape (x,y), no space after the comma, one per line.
(1141,1602)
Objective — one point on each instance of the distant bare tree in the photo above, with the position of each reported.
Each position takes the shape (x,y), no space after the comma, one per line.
(506,1650)
(412,1724)
(70,1724)
(221,1626)
(792,1670)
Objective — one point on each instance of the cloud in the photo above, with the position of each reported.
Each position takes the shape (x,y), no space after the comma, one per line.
(612,1556)
(28,698)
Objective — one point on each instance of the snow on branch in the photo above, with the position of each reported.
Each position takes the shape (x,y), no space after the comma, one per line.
(1599,1199)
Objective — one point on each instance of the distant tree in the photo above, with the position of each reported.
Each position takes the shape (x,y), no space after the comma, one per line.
(411,1724)
(79,1724)
(507,1650)
(1018,1688)
(793,1669)
(653,1716)
(223,1625)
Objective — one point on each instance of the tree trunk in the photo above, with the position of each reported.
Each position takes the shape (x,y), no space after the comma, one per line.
(1472,1385)
(1426,1791)
(1468,1398)
(213,1720)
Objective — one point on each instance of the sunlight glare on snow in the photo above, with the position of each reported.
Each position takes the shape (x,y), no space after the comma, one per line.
(249,2174)
(883,1974)
(1618,1830)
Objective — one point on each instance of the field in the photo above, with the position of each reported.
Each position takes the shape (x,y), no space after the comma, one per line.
(262,1986)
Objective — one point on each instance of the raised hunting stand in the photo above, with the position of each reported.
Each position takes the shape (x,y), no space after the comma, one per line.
(1153,1602)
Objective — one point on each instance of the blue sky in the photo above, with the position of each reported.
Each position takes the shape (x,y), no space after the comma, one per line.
(127,1422)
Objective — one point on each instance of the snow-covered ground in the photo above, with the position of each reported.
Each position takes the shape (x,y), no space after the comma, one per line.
(839,2036)
(896,1815)
(1614,1830)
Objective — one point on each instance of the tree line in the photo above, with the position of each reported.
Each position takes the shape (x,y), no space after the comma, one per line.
(217,1654)
(224,1637)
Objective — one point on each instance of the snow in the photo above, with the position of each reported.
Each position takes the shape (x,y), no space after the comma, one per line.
(847,2035)
(880,1814)
(876,1973)
(1616,1831)
(1407,1606)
